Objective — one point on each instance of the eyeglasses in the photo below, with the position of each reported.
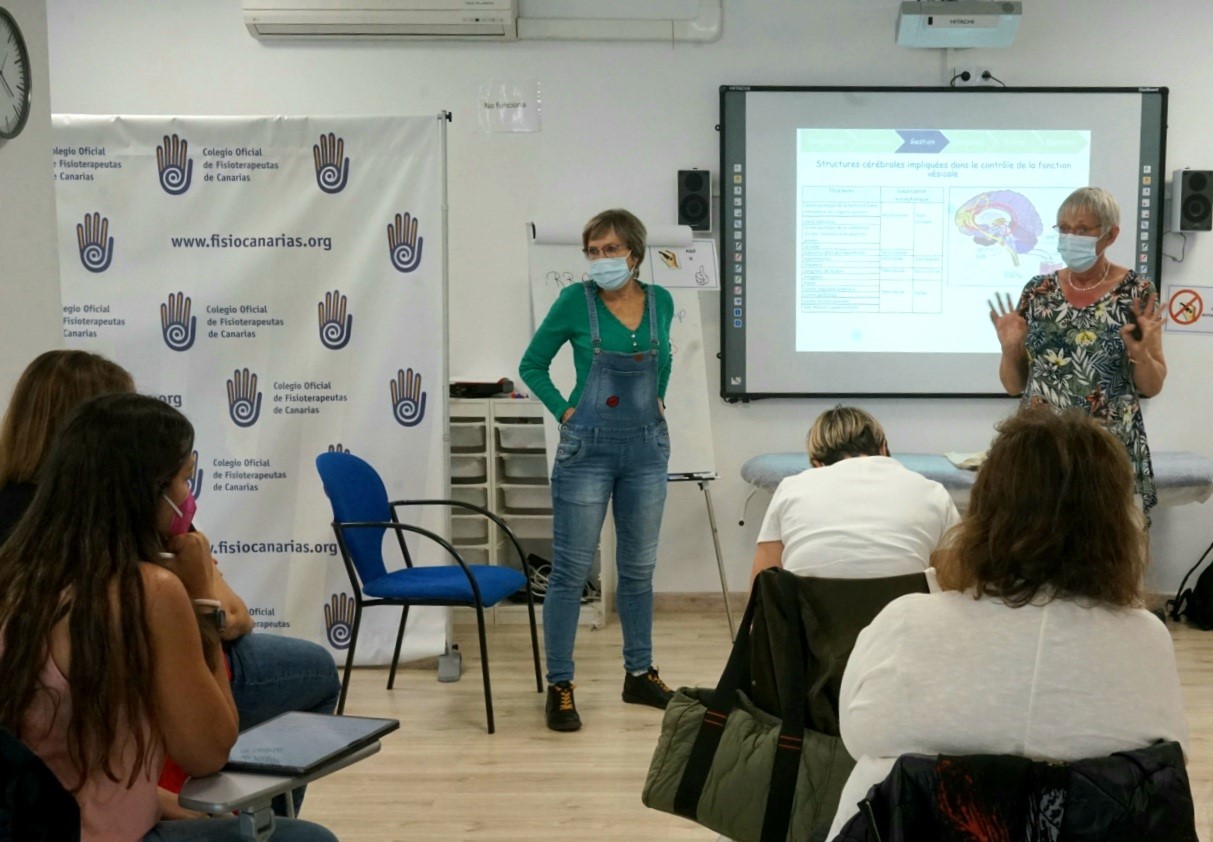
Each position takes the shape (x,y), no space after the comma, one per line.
(1080,231)
(609,250)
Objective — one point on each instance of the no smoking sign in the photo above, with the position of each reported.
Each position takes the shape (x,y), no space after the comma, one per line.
(1187,309)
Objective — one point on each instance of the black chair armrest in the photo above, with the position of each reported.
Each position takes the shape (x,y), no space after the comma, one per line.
(526,567)
(438,539)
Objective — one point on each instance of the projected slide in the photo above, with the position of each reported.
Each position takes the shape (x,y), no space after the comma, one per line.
(864,229)
(903,233)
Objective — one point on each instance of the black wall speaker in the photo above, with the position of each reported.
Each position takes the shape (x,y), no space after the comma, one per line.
(695,199)
(1192,200)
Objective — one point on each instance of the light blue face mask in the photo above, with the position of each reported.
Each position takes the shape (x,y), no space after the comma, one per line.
(1077,252)
(610,273)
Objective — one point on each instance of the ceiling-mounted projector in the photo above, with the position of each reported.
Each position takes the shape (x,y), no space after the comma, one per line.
(955,24)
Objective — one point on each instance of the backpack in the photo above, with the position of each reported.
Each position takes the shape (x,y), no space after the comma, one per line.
(1196,603)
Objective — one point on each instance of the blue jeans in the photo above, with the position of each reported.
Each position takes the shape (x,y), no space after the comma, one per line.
(273,675)
(594,465)
(228,830)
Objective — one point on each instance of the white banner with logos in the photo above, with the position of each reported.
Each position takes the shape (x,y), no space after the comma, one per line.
(280,280)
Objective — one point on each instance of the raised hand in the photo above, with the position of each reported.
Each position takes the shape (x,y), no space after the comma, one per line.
(332,167)
(335,326)
(404,244)
(95,244)
(408,401)
(176,324)
(1011,327)
(243,399)
(174,165)
(1145,320)
(339,621)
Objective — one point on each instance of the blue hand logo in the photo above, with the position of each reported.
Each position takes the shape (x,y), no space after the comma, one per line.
(339,621)
(332,167)
(177,326)
(243,399)
(194,481)
(337,448)
(403,243)
(96,246)
(336,327)
(408,401)
(174,165)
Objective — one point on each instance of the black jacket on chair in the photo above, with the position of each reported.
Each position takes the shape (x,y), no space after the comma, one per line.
(1129,796)
(34,806)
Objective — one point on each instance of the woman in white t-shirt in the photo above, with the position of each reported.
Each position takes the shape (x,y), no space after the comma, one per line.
(1038,646)
(857,513)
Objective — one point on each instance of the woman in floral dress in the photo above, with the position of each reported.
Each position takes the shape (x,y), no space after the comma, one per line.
(1088,335)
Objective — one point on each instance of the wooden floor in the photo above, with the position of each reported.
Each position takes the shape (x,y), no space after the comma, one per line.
(441,777)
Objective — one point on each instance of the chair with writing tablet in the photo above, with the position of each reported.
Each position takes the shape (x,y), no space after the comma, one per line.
(362,513)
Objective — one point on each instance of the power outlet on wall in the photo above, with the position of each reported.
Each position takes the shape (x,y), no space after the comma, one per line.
(972,77)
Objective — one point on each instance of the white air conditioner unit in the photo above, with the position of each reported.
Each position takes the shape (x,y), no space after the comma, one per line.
(476,20)
(956,24)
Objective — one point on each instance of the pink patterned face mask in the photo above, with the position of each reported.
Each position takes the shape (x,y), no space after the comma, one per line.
(183,515)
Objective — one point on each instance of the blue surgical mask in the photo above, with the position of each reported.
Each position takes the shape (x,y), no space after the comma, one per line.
(610,273)
(1077,252)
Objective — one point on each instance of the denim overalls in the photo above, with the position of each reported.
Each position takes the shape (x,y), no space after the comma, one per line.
(615,447)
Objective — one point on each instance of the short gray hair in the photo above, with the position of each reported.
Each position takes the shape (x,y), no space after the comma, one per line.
(1098,201)
(842,432)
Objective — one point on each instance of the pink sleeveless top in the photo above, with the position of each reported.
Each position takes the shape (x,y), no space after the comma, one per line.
(109,811)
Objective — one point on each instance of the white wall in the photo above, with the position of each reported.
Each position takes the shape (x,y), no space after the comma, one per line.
(619,119)
(29,262)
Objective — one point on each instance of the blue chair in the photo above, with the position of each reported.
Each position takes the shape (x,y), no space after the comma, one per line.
(361,515)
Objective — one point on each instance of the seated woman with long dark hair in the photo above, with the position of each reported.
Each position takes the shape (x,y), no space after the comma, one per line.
(106,664)
(1039,646)
(269,673)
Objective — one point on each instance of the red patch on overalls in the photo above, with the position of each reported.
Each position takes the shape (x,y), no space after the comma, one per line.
(613,400)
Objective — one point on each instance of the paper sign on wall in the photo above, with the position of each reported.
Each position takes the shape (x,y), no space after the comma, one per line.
(692,266)
(509,107)
(1189,309)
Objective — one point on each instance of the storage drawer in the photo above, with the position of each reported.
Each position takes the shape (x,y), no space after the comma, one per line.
(467,438)
(520,437)
(477,496)
(525,499)
(473,555)
(518,410)
(528,528)
(469,529)
(526,468)
(466,469)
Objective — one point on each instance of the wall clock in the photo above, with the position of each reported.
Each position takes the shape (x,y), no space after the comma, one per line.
(14,77)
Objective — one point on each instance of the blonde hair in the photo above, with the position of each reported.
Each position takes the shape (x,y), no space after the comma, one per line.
(625,224)
(842,432)
(51,386)
(1098,201)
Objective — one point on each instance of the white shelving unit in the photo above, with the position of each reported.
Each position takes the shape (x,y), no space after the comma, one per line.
(499,461)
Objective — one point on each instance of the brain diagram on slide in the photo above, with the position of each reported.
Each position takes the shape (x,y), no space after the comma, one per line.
(909,228)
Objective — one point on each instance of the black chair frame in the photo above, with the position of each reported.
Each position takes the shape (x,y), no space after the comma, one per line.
(361,602)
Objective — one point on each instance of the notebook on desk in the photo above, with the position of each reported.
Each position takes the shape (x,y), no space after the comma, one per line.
(297,743)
